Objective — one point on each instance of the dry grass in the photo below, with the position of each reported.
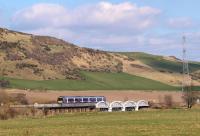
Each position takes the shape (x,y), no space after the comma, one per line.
(148,72)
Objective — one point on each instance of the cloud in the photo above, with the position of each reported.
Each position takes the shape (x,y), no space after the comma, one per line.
(40,16)
(181,23)
(103,16)
(125,16)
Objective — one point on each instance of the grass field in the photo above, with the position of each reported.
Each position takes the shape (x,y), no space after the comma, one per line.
(94,81)
(143,123)
(159,63)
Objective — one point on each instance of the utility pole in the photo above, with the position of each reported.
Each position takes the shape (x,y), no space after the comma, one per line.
(186,83)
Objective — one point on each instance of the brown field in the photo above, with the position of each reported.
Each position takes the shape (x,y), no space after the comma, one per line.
(51,96)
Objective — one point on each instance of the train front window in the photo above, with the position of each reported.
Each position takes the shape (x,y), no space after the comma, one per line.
(60,99)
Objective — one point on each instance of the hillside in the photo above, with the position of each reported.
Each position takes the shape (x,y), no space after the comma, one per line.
(26,56)
(160,68)
(31,61)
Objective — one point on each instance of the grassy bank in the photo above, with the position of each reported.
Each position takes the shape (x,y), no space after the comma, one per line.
(142,123)
(94,81)
(161,64)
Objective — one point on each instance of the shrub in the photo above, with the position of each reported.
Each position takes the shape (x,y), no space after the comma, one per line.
(4,83)
(168,101)
(6,112)
(18,98)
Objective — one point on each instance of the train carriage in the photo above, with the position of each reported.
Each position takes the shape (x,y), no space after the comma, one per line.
(80,99)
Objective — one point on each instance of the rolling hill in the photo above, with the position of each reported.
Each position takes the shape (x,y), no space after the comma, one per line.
(43,62)
(26,56)
(161,68)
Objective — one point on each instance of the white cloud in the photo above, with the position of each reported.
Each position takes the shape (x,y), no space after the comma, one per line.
(40,16)
(103,16)
(125,16)
(181,23)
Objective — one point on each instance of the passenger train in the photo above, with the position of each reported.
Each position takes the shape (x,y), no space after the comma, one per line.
(80,99)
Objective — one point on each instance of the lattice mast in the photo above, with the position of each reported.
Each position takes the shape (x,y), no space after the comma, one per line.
(186,83)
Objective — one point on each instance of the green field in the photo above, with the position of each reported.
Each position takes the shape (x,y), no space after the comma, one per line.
(143,123)
(159,63)
(94,81)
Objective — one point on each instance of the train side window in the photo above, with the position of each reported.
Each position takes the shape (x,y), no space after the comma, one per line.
(99,99)
(85,100)
(65,101)
(70,100)
(78,100)
(93,99)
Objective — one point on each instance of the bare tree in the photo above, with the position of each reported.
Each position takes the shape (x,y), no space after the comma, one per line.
(189,96)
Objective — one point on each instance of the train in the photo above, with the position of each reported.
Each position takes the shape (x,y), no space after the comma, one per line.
(80,99)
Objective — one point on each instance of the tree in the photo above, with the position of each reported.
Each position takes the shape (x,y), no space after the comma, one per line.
(189,96)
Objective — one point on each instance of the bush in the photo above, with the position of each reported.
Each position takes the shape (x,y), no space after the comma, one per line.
(6,112)
(13,98)
(4,83)
(168,101)
(18,98)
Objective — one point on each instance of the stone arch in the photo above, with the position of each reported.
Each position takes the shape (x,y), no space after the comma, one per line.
(102,106)
(142,103)
(115,106)
(129,105)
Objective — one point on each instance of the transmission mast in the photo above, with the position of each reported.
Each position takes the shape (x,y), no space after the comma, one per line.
(186,83)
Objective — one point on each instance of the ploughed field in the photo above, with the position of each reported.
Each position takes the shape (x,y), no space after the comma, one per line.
(94,81)
(114,95)
(179,122)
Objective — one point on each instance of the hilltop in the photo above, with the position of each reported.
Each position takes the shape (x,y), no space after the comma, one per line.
(42,60)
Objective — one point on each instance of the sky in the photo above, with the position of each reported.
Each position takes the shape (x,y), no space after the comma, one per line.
(152,26)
